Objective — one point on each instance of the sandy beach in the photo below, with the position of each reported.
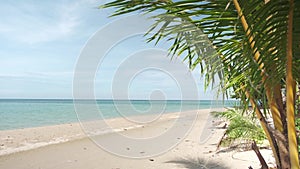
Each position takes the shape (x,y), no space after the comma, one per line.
(67,146)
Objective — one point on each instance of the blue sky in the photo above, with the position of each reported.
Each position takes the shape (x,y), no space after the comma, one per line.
(41,41)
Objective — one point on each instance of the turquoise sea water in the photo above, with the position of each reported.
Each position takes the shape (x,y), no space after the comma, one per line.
(25,113)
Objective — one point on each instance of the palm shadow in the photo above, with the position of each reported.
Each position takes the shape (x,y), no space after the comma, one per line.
(198,163)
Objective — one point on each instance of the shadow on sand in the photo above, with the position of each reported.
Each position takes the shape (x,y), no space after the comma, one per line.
(198,164)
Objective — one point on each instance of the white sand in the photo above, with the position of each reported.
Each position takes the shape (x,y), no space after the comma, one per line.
(66,147)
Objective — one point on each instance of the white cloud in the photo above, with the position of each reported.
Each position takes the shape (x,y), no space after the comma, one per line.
(42,22)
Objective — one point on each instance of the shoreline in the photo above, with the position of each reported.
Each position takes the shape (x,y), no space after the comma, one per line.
(190,152)
(24,139)
(16,140)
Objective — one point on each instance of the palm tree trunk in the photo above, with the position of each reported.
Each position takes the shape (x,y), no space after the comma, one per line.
(279,101)
(290,90)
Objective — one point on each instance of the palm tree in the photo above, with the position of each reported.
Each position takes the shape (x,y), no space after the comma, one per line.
(253,46)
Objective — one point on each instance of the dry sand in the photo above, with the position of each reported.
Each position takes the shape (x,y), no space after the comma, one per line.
(67,146)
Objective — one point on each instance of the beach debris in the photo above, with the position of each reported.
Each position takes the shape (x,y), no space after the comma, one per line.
(207,152)
(224,126)
(259,156)
(151,159)
(220,141)
(127,148)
